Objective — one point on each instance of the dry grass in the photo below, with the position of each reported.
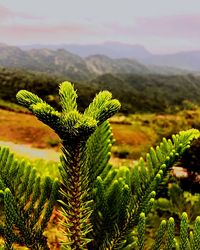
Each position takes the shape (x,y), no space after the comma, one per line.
(132,140)
(25,129)
(134,134)
(130,135)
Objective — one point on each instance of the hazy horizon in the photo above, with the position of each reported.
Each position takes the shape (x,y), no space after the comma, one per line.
(161,27)
(101,43)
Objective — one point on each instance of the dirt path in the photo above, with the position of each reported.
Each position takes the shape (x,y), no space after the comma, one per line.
(51,155)
(33,153)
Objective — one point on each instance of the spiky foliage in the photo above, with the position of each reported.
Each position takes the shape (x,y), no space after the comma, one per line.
(170,243)
(78,171)
(142,181)
(28,202)
(195,239)
(103,207)
(165,237)
(159,236)
(177,202)
(184,242)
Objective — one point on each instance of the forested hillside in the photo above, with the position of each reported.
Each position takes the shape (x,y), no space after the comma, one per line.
(188,60)
(137,93)
(73,66)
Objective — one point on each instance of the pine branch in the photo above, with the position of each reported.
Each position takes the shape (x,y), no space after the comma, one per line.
(170,235)
(160,235)
(158,161)
(22,195)
(196,234)
(184,240)
(141,232)
(77,168)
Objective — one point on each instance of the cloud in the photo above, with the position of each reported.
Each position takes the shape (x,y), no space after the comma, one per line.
(46,33)
(155,28)
(185,26)
(7,14)
(16,26)
(178,26)
(73,29)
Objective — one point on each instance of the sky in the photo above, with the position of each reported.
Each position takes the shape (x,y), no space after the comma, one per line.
(161,26)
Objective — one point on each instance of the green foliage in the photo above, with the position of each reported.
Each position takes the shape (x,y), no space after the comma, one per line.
(189,105)
(102,207)
(177,202)
(150,93)
(77,171)
(28,202)
(166,239)
(160,235)
(184,241)
(196,235)
(141,232)
(170,235)
(137,93)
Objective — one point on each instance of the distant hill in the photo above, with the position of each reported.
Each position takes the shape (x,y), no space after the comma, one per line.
(45,60)
(62,62)
(137,93)
(151,93)
(189,60)
(73,66)
(186,60)
(101,64)
(110,49)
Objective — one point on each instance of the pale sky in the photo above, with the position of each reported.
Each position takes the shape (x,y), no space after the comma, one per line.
(162,26)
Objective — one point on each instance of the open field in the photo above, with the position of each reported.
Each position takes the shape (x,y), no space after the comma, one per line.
(25,129)
(133,134)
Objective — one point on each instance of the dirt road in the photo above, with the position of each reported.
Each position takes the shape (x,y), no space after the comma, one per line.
(32,153)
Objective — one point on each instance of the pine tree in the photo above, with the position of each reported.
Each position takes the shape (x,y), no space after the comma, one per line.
(103,207)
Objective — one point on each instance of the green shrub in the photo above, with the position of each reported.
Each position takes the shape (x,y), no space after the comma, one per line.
(177,202)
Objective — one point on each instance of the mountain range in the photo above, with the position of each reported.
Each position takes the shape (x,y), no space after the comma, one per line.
(84,62)
(187,60)
(110,49)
